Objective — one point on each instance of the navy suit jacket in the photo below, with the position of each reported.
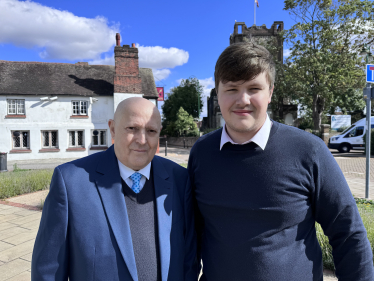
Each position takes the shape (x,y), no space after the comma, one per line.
(84,231)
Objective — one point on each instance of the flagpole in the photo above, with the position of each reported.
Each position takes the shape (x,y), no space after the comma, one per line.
(255,11)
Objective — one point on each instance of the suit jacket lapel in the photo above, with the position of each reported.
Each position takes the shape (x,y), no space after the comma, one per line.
(164,196)
(110,189)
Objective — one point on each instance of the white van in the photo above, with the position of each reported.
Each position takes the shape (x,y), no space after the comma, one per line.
(351,138)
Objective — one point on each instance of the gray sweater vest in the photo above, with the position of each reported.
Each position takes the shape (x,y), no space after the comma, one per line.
(142,213)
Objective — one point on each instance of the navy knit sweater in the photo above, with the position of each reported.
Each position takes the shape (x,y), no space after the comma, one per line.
(256,210)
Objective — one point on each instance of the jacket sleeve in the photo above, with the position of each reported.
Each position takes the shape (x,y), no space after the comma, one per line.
(50,255)
(190,261)
(336,211)
(199,221)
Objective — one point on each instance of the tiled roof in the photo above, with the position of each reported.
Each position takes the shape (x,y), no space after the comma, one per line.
(39,78)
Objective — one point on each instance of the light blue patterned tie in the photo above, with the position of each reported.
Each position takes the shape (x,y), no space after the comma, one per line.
(136,182)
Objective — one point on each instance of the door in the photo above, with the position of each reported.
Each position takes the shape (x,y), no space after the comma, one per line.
(355,137)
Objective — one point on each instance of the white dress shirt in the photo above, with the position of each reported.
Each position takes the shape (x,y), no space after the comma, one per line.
(126,172)
(261,138)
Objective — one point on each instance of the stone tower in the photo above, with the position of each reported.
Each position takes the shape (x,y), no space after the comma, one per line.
(258,34)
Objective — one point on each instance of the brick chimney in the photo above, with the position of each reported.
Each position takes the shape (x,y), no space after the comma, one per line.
(126,78)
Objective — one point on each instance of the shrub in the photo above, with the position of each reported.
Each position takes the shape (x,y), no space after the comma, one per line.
(23,181)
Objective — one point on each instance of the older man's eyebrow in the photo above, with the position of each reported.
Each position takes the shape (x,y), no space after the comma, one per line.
(151,128)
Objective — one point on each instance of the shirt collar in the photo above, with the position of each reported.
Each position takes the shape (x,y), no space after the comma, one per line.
(126,172)
(261,138)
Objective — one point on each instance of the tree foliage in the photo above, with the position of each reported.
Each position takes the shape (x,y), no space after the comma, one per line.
(184,125)
(185,95)
(325,64)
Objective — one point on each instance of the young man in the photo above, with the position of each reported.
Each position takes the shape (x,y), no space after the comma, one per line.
(123,214)
(260,186)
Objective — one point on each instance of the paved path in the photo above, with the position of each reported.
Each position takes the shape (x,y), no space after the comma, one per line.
(18,226)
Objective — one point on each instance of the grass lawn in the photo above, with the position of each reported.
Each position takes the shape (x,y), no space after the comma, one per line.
(21,181)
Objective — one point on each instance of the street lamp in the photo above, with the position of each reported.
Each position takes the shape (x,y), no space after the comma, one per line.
(365,51)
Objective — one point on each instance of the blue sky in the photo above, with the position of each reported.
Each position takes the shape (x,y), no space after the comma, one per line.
(177,39)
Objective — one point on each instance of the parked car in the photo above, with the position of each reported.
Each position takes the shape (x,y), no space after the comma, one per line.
(351,138)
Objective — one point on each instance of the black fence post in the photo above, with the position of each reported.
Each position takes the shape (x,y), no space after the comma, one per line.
(166,148)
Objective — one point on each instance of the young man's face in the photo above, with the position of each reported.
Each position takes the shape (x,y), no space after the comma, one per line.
(244,105)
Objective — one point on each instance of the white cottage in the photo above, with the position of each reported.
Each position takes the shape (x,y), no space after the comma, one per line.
(60,110)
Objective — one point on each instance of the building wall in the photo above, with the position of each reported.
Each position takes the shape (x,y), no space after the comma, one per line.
(118,97)
(54,115)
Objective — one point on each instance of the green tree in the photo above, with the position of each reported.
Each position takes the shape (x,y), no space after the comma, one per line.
(324,64)
(184,125)
(185,95)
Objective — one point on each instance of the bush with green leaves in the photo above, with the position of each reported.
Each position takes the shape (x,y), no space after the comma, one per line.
(184,125)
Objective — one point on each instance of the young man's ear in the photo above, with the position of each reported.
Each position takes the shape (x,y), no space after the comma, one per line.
(270,94)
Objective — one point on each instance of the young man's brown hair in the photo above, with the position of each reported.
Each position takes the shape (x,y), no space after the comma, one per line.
(243,62)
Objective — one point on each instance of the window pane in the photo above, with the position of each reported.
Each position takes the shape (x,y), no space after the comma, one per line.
(12,106)
(17,141)
(45,138)
(20,106)
(359,131)
(75,107)
(80,138)
(54,138)
(102,138)
(72,138)
(95,140)
(84,107)
(25,139)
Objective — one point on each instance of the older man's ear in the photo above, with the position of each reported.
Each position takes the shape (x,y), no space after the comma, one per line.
(111,127)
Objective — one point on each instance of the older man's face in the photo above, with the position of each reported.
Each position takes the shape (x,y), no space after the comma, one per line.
(136,135)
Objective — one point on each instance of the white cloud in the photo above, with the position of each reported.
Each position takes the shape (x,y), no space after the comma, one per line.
(286,53)
(157,57)
(60,34)
(161,74)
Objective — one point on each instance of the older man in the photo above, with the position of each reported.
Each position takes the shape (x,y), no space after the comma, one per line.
(123,214)
(260,186)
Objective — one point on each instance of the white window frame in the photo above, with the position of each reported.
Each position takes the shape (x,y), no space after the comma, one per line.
(17,103)
(49,139)
(99,142)
(70,145)
(79,109)
(21,139)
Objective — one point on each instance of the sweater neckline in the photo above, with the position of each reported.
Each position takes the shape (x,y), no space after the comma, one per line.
(251,145)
